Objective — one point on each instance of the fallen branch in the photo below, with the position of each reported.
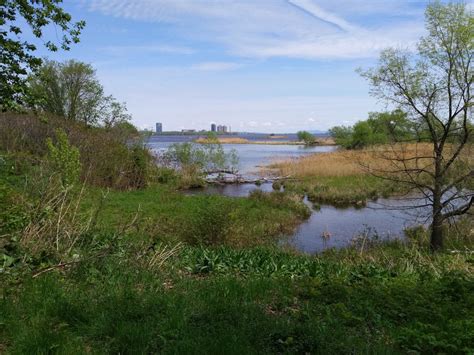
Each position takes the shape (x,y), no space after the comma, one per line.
(242,180)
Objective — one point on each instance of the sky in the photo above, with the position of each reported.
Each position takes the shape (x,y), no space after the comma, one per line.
(256,65)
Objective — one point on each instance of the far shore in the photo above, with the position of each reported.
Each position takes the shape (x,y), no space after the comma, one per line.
(232,140)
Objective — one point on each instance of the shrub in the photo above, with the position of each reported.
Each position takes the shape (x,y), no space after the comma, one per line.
(306,137)
(109,157)
(63,159)
(209,221)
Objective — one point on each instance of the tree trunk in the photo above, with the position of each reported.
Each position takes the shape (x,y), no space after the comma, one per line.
(436,240)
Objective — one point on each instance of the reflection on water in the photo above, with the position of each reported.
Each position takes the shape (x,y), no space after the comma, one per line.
(332,227)
(231,190)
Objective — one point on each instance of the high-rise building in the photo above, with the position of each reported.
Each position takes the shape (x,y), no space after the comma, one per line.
(213,127)
(224,129)
(220,128)
(159,127)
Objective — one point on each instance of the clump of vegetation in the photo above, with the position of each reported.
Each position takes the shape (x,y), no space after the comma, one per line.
(337,178)
(112,157)
(306,137)
(64,159)
(195,161)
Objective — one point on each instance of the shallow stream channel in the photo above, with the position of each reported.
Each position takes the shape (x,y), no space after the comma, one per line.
(335,227)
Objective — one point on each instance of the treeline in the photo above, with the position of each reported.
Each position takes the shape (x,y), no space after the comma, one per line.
(379,128)
(391,127)
(67,100)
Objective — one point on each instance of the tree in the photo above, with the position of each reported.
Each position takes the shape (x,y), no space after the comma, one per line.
(379,128)
(342,135)
(434,87)
(17,57)
(306,137)
(72,90)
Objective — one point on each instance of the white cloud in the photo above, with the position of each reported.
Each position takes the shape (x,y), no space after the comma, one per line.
(292,28)
(312,8)
(166,49)
(216,66)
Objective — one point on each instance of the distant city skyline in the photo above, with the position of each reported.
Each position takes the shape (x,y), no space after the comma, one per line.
(264,66)
(159,127)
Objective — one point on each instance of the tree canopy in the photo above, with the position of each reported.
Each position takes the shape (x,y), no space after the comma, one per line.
(379,128)
(73,91)
(17,56)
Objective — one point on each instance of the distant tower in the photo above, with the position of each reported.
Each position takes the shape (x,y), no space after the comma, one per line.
(224,129)
(159,127)
(213,127)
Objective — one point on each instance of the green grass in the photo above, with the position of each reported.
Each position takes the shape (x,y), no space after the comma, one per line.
(342,191)
(263,301)
(168,215)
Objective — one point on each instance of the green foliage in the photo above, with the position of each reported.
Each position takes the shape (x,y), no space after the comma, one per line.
(110,157)
(195,161)
(343,191)
(73,91)
(63,159)
(306,137)
(342,135)
(202,219)
(17,55)
(224,300)
(379,128)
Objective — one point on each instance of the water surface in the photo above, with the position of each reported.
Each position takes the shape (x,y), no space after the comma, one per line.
(251,156)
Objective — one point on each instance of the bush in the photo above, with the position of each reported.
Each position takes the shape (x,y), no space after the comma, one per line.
(209,221)
(109,157)
(64,159)
(306,137)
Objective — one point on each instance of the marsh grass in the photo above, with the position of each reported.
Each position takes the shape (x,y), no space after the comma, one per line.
(351,177)
(212,220)
(353,162)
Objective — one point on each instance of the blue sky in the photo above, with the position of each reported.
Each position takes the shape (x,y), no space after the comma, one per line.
(255,65)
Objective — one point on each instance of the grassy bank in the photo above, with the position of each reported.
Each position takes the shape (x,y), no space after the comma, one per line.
(332,178)
(165,214)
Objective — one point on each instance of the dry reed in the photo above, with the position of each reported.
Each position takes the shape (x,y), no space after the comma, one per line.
(386,158)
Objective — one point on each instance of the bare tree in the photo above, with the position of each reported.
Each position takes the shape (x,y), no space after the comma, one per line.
(433,84)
